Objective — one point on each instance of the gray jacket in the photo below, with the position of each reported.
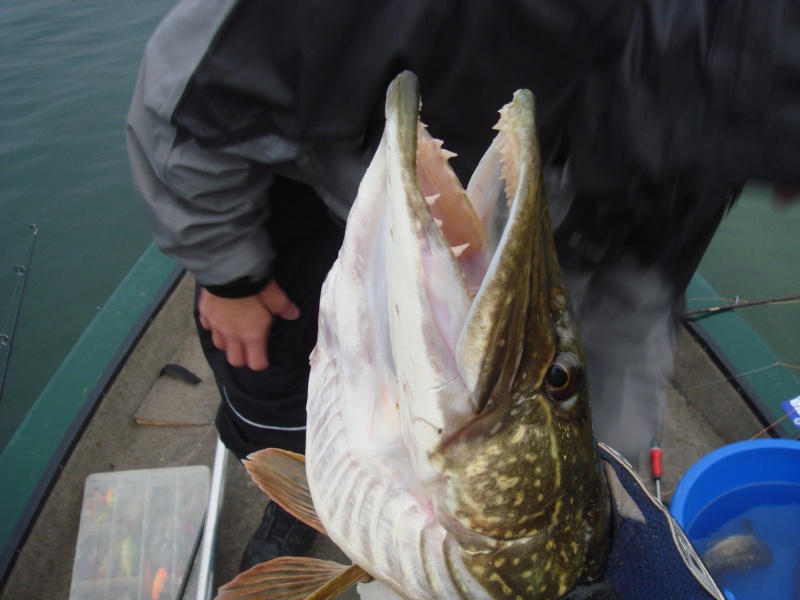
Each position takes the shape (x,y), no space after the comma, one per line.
(640,95)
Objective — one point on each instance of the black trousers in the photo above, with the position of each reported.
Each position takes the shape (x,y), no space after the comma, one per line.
(267,409)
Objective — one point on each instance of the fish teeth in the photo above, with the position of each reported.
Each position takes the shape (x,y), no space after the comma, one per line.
(431,199)
(445,153)
(509,168)
(438,222)
(499,126)
(458,250)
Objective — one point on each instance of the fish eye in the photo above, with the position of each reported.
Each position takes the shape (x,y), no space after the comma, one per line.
(564,377)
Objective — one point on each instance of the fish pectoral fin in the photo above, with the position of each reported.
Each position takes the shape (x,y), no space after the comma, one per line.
(293,578)
(282,476)
(346,579)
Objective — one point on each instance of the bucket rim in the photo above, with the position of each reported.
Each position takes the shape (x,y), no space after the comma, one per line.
(702,466)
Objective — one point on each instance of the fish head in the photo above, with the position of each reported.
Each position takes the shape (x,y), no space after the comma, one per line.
(448,344)
(494,387)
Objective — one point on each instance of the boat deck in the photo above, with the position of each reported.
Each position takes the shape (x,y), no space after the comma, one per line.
(704,412)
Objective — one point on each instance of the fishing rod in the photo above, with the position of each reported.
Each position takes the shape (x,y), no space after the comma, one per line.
(731,306)
(7,339)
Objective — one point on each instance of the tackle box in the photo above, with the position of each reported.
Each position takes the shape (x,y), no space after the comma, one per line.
(139,532)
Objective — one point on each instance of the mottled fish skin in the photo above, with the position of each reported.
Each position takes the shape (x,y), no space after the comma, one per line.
(449,447)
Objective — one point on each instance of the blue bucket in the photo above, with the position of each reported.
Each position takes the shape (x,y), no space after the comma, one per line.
(757,481)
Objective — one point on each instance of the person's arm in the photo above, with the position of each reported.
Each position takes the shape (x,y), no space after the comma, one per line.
(220,238)
(205,206)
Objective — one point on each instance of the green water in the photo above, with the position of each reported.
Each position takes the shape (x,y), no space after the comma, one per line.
(67,73)
(755,255)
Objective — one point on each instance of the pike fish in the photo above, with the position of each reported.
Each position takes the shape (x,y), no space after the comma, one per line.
(450,451)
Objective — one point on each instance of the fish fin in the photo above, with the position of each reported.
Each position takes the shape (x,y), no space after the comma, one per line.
(346,579)
(282,476)
(293,578)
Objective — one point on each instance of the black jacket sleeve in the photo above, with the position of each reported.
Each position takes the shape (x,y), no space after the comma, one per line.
(705,92)
(639,94)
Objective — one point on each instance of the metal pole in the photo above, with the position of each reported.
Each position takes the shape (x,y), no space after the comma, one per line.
(7,339)
(205,586)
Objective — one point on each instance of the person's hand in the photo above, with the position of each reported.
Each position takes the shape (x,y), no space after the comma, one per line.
(240,326)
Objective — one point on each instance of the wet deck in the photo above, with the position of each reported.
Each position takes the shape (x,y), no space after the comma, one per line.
(704,413)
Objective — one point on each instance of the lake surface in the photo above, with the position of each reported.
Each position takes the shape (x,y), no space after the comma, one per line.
(755,255)
(66,79)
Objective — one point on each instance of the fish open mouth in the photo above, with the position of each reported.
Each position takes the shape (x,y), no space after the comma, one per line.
(500,262)
(453,210)
(472,221)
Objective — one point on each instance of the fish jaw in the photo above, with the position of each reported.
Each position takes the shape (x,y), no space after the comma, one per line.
(523,479)
(425,399)
(428,294)
(366,457)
